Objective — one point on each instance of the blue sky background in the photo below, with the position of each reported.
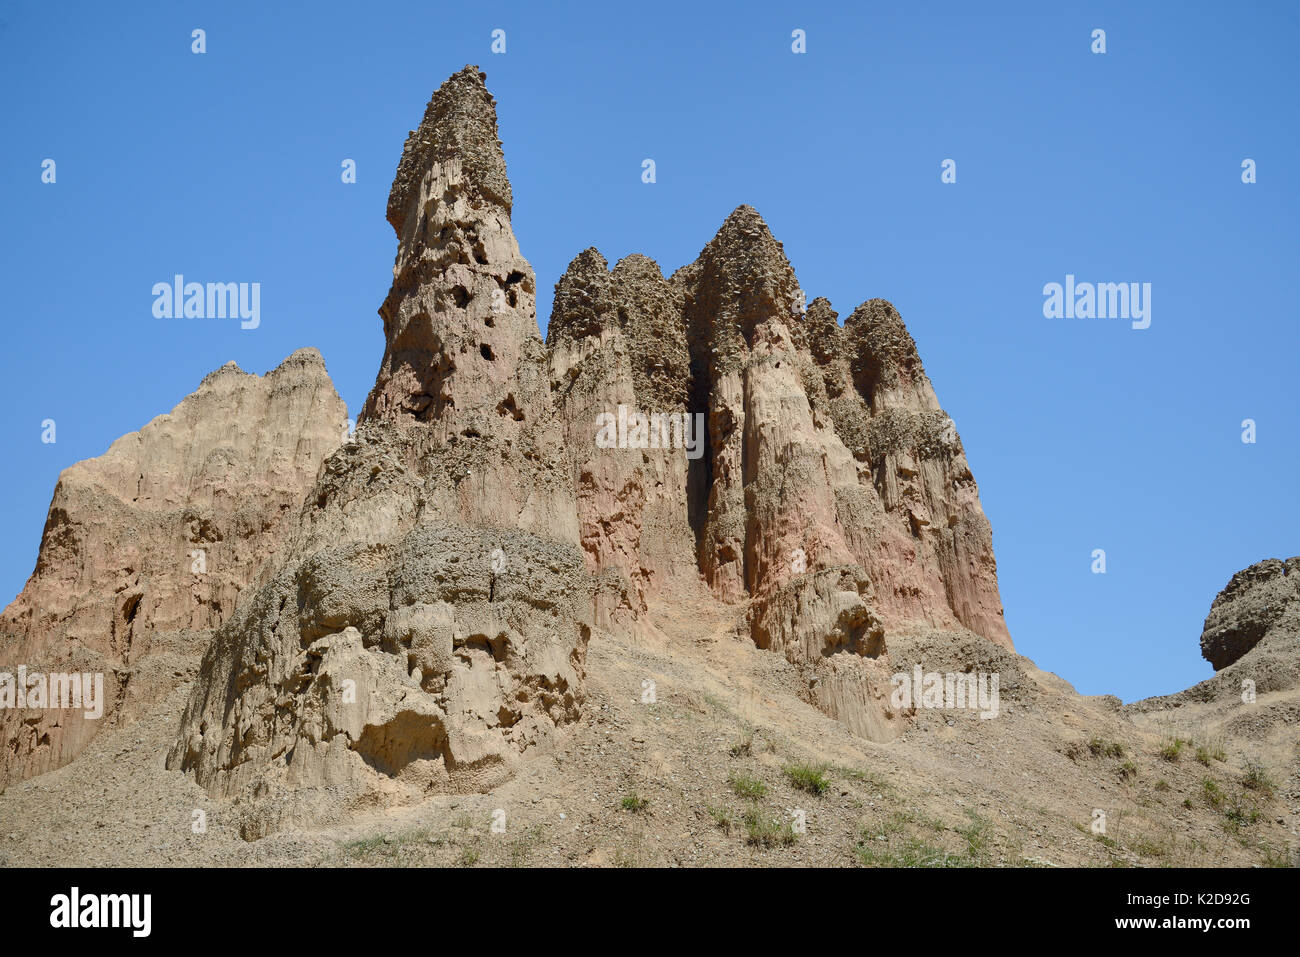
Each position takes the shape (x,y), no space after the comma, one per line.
(1125,166)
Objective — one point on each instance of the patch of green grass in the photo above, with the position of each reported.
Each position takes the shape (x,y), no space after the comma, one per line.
(1240,814)
(766,831)
(1126,770)
(1277,856)
(1213,793)
(1172,749)
(1101,748)
(978,835)
(1258,780)
(745,786)
(867,777)
(365,845)
(634,802)
(1161,785)
(387,844)
(1145,846)
(913,852)
(723,817)
(808,777)
(886,844)
(1214,748)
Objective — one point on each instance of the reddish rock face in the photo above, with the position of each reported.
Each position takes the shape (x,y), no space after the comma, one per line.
(151,544)
(832,501)
(826,446)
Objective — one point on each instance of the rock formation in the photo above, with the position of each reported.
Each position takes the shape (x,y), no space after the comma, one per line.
(832,496)
(1258,602)
(151,544)
(429,622)
(1253,699)
(504,499)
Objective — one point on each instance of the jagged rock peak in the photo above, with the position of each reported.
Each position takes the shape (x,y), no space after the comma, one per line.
(583,304)
(884,352)
(821,331)
(308,360)
(745,234)
(460,122)
(741,279)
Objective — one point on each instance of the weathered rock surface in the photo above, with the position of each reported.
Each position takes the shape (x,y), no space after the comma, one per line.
(1258,601)
(832,499)
(150,545)
(428,623)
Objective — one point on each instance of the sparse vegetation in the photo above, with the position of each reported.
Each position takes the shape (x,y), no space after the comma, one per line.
(624,858)
(745,786)
(523,845)
(468,857)
(1258,780)
(867,777)
(1172,749)
(1101,748)
(978,835)
(766,831)
(723,817)
(807,777)
(634,802)
(1126,770)
(884,844)
(1277,856)
(1145,846)
(744,746)
(1239,813)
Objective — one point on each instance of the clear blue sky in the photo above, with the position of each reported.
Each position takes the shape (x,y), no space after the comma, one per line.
(1117,167)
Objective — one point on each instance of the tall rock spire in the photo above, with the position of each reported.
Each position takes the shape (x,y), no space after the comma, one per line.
(463,354)
(437,572)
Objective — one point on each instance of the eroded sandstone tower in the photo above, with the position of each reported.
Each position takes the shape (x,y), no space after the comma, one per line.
(427,623)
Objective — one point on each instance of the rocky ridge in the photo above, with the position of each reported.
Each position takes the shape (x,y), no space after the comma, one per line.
(150,546)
